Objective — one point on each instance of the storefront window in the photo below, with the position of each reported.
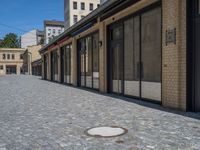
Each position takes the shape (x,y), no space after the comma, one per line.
(54,65)
(151,54)
(89,61)
(131,56)
(135,56)
(95,62)
(67,64)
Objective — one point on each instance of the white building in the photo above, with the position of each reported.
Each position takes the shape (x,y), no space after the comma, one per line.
(52,29)
(75,10)
(34,37)
(103,1)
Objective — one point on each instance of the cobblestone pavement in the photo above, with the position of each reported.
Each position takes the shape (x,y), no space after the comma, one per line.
(37,114)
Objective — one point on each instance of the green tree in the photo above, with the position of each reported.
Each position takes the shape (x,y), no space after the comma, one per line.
(11,40)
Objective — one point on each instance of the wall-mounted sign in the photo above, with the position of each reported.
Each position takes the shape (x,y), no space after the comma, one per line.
(170,36)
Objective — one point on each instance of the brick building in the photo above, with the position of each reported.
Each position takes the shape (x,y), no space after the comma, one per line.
(144,49)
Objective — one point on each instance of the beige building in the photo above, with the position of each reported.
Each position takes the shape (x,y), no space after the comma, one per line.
(143,49)
(11,60)
(30,55)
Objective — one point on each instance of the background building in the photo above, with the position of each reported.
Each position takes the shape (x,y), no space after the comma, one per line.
(11,60)
(103,1)
(75,10)
(34,37)
(30,55)
(52,29)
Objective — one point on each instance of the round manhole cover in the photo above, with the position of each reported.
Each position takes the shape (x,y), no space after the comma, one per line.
(106,131)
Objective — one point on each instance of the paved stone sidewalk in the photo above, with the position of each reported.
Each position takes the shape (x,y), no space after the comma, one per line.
(37,114)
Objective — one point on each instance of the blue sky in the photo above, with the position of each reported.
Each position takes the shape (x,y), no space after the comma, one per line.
(26,15)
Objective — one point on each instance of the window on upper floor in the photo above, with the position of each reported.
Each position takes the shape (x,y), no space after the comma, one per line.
(75,5)
(1,67)
(59,31)
(49,34)
(49,31)
(13,56)
(21,56)
(75,18)
(4,56)
(8,56)
(82,6)
(54,31)
(91,7)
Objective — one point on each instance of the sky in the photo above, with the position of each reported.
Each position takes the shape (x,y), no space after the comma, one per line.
(20,16)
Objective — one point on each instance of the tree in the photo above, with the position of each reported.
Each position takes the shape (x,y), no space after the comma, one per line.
(11,40)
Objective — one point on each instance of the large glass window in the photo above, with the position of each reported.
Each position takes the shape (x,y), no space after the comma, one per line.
(45,66)
(151,54)
(132,56)
(89,61)
(135,56)
(95,62)
(117,59)
(67,64)
(54,63)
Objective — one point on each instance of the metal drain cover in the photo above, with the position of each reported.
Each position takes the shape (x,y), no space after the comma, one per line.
(106,131)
